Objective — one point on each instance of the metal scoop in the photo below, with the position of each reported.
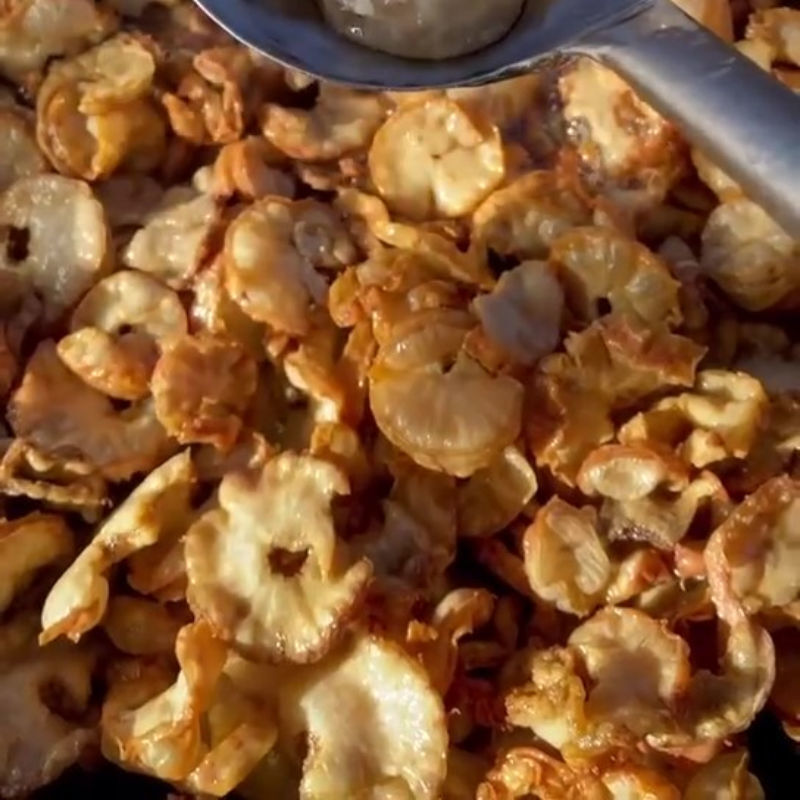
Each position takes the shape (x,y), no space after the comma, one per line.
(739,116)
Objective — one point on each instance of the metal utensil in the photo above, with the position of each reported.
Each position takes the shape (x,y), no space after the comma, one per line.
(744,120)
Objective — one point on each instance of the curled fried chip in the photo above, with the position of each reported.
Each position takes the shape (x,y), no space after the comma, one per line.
(750,557)
(273,251)
(33,31)
(45,709)
(118,329)
(61,416)
(722,418)
(141,627)
(638,667)
(78,600)
(725,778)
(437,404)
(201,387)
(495,495)
(398,746)
(430,159)
(162,737)
(63,236)
(749,256)
(565,560)
(522,314)
(552,701)
(525,771)
(341,121)
(526,217)
(175,238)
(27,545)
(599,264)
(246,169)
(274,581)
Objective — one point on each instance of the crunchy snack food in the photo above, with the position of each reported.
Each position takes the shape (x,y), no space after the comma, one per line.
(432,446)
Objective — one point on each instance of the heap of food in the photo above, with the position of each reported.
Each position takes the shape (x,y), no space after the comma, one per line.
(430,446)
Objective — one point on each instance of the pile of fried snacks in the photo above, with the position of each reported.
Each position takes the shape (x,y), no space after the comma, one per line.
(427,446)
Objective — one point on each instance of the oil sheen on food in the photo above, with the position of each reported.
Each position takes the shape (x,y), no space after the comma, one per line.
(433,29)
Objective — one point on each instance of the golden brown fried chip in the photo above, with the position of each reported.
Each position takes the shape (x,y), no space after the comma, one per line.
(141,627)
(725,778)
(79,598)
(266,568)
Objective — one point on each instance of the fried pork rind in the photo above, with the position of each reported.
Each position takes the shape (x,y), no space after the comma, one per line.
(522,314)
(600,264)
(750,557)
(526,217)
(619,137)
(33,31)
(62,417)
(271,578)
(212,102)
(117,331)
(638,669)
(565,560)
(201,387)
(273,253)
(28,545)
(749,255)
(722,418)
(20,157)
(396,742)
(248,169)
(141,627)
(175,239)
(495,495)
(64,235)
(431,160)
(57,483)
(435,403)
(79,598)
(44,706)
(724,778)
(342,121)
(525,771)
(610,366)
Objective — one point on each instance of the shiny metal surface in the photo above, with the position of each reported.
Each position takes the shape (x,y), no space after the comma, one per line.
(744,120)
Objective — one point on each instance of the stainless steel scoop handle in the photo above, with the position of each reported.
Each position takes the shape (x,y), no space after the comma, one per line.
(744,120)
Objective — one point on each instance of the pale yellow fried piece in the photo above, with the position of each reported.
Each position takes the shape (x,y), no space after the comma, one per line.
(33,31)
(749,255)
(397,749)
(750,557)
(273,253)
(175,238)
(725,778)
(163,736)
(341,122)
(437,404)
(44,706)
(79,598)
(522,314)
(266,568)
(21,156)
(141,627)
(28,545)
(62,417)
(495,495)
(525,771)
(62,484)
(54,233)
(634,782)
(526,217)
(722,418)
(201,387)
(565,560)
(118,330)
(432,160)
(599,264)
(638,667)
(248,169)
